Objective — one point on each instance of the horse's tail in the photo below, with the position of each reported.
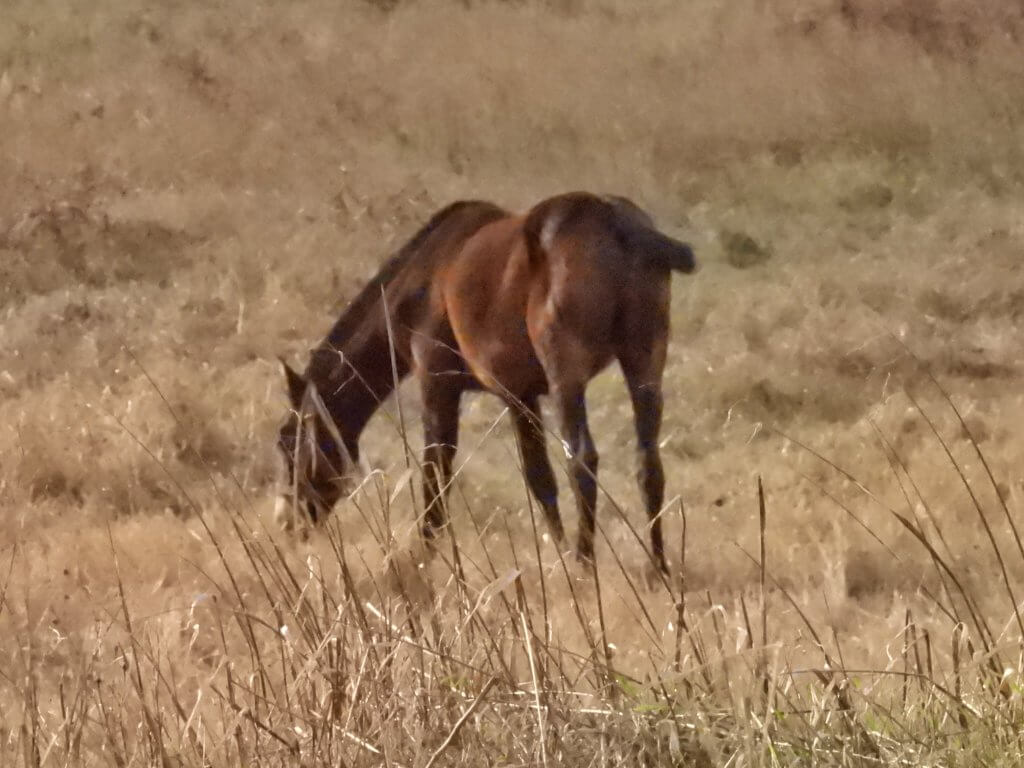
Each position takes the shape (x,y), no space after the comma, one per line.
(662,250)
(640,236)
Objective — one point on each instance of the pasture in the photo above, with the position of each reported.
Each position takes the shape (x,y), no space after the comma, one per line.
(190,190)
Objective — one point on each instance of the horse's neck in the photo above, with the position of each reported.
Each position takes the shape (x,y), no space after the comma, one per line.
(356,379)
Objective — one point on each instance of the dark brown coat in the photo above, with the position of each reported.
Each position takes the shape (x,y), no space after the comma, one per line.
(519,305)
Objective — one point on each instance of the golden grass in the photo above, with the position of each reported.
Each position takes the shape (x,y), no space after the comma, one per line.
(190,190)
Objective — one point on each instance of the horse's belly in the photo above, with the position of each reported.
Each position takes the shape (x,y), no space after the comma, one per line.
(500,355)
(493,339)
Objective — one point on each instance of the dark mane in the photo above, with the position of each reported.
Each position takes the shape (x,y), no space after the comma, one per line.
(370,295)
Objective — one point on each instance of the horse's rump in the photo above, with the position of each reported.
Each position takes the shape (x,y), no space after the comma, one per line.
(632,226)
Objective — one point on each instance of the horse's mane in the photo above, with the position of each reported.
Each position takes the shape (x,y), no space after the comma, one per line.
(369,297)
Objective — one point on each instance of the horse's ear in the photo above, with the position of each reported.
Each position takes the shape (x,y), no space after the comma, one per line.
(296,384)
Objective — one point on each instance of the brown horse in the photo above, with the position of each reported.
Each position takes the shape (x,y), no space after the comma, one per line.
(518,305)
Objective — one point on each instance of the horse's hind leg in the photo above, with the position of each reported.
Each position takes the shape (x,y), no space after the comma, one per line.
(441,433)
(572,411)
(642,366)
(540,478)
(567,362)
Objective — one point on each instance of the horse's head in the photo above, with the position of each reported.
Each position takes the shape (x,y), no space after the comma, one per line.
(316,459)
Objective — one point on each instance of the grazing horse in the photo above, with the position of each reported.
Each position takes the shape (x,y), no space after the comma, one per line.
(517,305)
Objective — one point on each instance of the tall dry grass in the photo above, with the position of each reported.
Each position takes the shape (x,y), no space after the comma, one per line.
(192,189)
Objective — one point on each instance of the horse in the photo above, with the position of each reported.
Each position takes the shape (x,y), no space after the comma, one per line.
(519,305)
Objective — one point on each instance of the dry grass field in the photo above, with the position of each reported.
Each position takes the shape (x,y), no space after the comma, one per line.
(190,189)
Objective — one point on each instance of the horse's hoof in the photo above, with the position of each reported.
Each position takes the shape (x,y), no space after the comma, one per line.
(585,560)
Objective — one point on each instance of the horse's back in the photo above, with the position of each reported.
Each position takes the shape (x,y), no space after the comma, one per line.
(440,240)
